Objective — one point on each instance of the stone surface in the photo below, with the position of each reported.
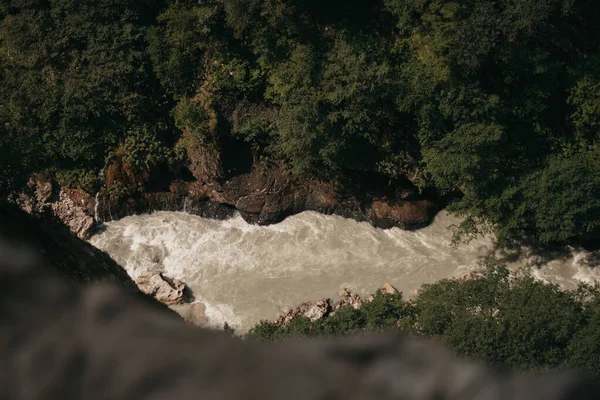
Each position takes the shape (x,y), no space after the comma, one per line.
(388,289)
(167,291)
(267,194)
(72,207)
(98,343)
(348,297)
(319,310)
(401,214)
(76,217)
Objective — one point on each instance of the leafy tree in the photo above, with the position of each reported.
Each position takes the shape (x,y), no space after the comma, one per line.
(75,80)
(505,318)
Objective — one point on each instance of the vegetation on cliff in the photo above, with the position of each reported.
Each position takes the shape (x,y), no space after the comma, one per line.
(497,99)
(505,318)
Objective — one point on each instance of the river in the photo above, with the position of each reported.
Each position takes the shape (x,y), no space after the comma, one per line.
(243,273)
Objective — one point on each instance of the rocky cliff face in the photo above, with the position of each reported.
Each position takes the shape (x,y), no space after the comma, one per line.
(268,194)
(67,342)
(73,207)
(265,194)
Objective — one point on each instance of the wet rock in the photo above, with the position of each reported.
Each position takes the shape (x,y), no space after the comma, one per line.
(267,194)
(402,214)
(252,204)
(167,291)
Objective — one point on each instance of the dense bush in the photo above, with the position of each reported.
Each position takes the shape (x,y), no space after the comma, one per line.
(507,319)
(496,99)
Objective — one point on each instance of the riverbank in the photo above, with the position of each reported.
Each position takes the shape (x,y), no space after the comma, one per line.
(265,195)
(243,273)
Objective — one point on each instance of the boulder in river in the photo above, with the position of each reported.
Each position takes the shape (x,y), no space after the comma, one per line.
(167,291)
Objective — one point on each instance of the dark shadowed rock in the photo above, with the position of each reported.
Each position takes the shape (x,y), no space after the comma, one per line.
(64,254)
(270,193)
(401,214)
(267,194)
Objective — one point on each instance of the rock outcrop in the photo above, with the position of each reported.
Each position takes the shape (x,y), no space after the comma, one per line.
(389,289)
(327,307)
(73,207)
(320,310)
(167,291)
(323,308)
(65,342)
(348,297)
(269,194)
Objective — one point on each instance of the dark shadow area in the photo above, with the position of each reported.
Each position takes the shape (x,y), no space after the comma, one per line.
(65,254)
(540,253)
(237,157)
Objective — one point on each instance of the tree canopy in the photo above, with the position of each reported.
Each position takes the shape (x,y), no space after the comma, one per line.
(497,99)
(507,319)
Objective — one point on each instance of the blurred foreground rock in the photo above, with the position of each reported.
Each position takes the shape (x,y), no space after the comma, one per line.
(61,341)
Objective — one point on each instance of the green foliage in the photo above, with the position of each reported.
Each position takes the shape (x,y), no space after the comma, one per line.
(509,320)
(143,150)
(496,99)
(75,78)
(505,318)
(382,313)
(563,197)
(77,179)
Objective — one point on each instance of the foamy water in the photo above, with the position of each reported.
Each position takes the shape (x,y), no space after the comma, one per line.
(244,273)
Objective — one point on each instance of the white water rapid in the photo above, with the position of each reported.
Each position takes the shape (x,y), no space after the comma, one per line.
(243,273)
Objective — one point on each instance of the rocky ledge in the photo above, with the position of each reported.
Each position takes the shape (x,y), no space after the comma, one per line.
(263,196)
(327,307)
(166,290)
(40,197)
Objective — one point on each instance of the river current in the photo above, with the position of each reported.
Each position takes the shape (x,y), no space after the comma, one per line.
(243,273)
